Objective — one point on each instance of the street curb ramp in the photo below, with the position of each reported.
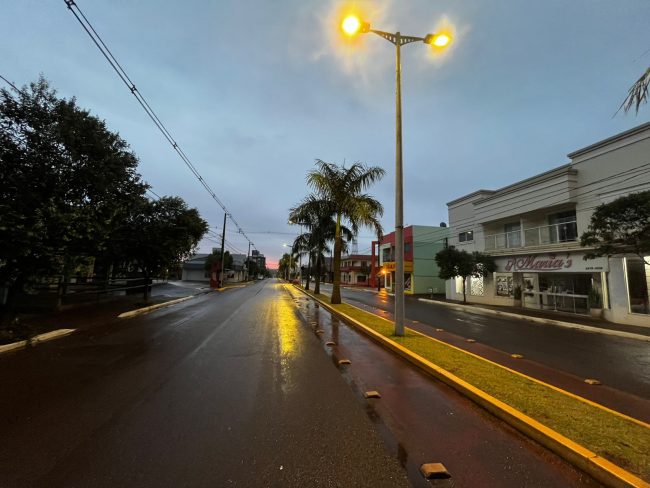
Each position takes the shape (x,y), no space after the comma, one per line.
(591,463)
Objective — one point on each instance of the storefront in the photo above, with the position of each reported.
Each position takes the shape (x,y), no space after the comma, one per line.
(557,282)
(388,271)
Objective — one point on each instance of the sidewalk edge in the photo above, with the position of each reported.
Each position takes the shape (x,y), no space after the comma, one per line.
(151,308)
(559,323)
(581,457)
(47,336)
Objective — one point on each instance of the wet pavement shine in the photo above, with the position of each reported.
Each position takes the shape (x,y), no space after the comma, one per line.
(423,420)
(227,389)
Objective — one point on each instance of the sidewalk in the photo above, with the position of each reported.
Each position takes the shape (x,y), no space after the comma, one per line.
(90,315)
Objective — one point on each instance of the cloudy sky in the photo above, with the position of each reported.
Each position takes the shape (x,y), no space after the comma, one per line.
(255,90)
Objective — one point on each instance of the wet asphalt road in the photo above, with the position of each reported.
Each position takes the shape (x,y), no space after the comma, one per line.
(423,420)
(621,363)
(227,389)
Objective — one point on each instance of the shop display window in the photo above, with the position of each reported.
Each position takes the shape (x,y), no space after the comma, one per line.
(638,282)
(504,285)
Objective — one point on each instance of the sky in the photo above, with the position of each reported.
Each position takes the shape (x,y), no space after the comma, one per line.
(255,91)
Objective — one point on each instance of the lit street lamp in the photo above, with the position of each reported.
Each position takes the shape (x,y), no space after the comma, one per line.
(351,26)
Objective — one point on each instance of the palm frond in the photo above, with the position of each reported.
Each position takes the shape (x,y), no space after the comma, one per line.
(637,94)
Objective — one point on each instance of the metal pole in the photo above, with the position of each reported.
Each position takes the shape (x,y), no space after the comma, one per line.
(248,264)
(300,260)
(399,198)
(223,251)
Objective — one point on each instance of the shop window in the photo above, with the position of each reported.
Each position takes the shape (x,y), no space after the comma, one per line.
(361,279)
(476,287)
(638,282)
(466,236)
(504,285)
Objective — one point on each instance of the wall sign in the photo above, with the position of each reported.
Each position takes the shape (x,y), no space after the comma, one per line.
(543,263)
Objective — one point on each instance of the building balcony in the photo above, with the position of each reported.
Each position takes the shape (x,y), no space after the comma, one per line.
(546,235)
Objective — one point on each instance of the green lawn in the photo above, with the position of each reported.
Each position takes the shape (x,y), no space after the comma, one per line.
(617,439)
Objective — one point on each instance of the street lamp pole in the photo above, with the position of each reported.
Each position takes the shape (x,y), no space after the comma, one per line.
(399,195)
(351,26)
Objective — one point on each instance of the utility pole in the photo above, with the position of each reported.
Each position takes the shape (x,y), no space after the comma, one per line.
(248,264)
(223,251)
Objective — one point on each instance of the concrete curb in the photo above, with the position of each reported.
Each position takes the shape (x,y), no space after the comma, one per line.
(47,336)
(151,308)
(581,457)
(540,320)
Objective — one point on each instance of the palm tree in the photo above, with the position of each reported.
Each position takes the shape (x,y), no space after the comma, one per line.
(317,216)
(339,193)
(637,94)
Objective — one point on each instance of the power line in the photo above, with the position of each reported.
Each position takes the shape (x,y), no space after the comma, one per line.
(121,72)
(11,84)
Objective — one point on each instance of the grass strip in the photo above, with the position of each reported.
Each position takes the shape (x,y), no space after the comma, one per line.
(617,439)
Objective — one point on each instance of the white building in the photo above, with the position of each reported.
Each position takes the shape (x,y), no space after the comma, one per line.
(533,227)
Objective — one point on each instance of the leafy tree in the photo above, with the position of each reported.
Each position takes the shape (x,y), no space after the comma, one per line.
(67,182)
(160,234)
(620,227)
(215,258)
(453,263)
(339,192)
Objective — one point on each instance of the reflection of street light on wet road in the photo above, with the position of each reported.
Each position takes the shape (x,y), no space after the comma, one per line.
(351,26)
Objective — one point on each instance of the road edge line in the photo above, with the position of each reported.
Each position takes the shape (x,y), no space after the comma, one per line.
(45,337)
(529,318)
(600,468)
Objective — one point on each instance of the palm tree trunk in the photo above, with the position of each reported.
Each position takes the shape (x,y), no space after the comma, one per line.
(317,278)
(336,287)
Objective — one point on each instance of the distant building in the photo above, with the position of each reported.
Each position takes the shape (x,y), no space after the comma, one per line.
(533,227)
(355,270)
(421,243)
(259,259)
(194,269)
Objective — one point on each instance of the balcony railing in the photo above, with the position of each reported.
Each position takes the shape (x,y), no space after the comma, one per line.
(537,236)
(506,240)
(551,234)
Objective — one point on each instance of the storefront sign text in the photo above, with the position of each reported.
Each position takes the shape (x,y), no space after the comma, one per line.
(533,263)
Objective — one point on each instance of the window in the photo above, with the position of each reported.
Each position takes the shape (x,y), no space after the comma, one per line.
(361,279)
(513,234)
(466,236)
(386,255)
(408,247)
(638,282)
(564,228)
(504,285)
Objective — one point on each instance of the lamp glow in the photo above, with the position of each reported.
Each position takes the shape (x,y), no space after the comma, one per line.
(441,40)
(351,25)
